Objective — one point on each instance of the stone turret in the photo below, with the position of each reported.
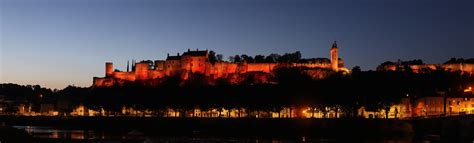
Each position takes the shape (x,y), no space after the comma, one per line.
(141,70)
(109,69)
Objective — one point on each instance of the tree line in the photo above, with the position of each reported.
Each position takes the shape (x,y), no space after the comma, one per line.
(271,58)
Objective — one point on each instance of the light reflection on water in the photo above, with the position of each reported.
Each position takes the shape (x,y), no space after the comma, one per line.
(52,133)
(44,132)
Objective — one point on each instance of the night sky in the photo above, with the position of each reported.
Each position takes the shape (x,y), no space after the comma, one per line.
(55,43)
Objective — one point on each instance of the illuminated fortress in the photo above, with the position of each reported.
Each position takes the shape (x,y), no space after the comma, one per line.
(197,62)
(419,67)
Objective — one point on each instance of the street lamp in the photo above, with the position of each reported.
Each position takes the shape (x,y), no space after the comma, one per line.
(469,89)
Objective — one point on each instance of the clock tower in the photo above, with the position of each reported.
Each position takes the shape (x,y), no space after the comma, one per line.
(334,57)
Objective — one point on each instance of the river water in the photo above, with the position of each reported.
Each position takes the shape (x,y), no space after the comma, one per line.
(51,134)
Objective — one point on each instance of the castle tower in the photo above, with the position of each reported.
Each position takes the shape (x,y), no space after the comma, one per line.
(334,57)
(109,69)
(141,70)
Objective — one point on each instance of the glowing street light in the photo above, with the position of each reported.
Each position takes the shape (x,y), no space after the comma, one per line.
(469,89)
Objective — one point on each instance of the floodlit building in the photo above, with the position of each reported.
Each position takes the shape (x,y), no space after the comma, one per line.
(419,67)
(197,62)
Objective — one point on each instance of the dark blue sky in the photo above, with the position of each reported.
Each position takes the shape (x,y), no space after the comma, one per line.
(55,43)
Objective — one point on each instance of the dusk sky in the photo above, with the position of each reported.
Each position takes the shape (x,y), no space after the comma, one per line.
(55,43)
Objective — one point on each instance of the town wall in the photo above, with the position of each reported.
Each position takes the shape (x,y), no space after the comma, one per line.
(154,74)
(260,67)
(129,76)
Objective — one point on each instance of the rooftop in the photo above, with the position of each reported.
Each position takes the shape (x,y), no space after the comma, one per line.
(173,58)
(195,53)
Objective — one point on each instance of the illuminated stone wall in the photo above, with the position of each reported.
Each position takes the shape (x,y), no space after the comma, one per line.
(159,65)
(419,68)
(261,67)
(172,66)
(194,64)
(221,69)
(154,74)
(468,68)
(141,71)
(464,67)
(129,76)
(198,62)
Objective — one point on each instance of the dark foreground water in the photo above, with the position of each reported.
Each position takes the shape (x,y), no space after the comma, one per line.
(51,134)
(149,130)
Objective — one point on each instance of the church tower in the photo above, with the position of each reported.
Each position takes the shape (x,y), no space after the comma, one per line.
(334,57)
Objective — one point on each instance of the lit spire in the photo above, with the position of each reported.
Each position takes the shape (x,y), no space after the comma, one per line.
(334,45)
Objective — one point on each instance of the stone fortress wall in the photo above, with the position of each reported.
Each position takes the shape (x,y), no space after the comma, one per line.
(198,62)
(467,68)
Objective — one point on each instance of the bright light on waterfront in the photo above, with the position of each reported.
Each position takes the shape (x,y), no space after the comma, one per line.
(469,89)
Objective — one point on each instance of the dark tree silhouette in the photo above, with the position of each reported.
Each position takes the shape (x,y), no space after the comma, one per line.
(212,57)
(260,59)
(237,59)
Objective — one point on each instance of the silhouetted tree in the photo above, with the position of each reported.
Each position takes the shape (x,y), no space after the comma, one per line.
(248,59)
(212,57)
(356,69)
(290,57)
(260,59)
(237,59)
(220,57)
(272,58)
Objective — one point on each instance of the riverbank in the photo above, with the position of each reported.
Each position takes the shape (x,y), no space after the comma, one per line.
(453,129)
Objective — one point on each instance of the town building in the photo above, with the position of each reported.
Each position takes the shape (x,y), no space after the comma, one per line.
(438,105)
